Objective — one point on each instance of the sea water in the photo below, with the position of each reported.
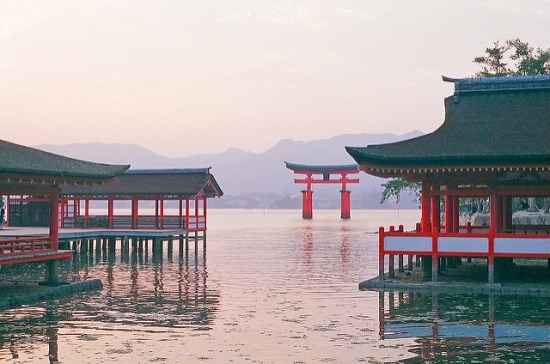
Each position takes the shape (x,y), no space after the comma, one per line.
(269,288)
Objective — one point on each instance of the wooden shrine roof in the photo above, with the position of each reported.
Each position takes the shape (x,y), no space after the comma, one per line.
(25,165)
(495,124)
(193,182)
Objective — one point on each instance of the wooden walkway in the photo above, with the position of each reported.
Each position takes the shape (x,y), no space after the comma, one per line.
(82,240)
(70,234)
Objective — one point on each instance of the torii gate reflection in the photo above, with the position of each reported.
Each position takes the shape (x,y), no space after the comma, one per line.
(326,172)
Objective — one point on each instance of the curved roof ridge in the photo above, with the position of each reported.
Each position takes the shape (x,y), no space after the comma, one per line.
(169,171)
(499,84)
(19,159)
(322,168)
(500,79)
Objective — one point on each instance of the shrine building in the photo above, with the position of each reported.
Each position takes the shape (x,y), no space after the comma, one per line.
(68,195)
(153,199)
(493,146)
(143,199)
(28,171)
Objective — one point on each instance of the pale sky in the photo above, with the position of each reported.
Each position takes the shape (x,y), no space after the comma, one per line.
(185,77)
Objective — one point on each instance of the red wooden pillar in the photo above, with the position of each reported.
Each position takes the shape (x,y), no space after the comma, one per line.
(493,229)
(426,208)
(110,211)
(156,214)
(180,218)
(204,211)
(161,213)
(345,206)
(345,203)
(135,212)
(62,211)
(87,213)
(436,226)
(426,227)
(307,204)
(307,199)
(76,211)
(8,204)
(381,253)
(197,212)
(187,213)
(51,276)
(54,218)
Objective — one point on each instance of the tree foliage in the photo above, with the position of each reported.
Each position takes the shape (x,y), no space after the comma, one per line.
(395,186)
(513,58)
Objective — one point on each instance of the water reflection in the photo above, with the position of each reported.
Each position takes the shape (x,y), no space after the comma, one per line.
(326,241)
(162,292)
(468,328)
(24,329)
(271,289)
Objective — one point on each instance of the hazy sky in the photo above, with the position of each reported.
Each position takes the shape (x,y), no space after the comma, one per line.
(184,77)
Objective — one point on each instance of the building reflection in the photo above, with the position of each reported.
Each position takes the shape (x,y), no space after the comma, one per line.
(167,289)
(468,328)
(344,244)
(312,246)
(24,329)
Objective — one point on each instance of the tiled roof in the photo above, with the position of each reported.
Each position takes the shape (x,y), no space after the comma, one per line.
(24,161)
(322,168)
(154,182)
(488,122)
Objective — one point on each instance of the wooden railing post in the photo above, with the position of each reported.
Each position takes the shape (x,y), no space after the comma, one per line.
(381,253)
(54,217)
(391,261)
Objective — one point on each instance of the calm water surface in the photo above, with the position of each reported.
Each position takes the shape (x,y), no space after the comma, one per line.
(270,288)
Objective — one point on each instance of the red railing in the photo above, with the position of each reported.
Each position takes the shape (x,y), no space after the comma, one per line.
(127,222)
(469,242)
(25,245)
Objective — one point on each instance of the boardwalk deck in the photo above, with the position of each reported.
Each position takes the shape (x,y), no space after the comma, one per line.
(74,240)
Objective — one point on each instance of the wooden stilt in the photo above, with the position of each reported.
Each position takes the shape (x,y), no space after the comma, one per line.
(345,204)
(52,272)
(391,268)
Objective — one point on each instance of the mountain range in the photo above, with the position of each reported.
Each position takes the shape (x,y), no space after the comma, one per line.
(256,180)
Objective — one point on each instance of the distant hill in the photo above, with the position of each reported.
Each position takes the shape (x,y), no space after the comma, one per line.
(256,180)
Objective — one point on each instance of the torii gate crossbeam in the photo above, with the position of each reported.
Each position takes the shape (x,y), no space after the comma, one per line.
(326,172)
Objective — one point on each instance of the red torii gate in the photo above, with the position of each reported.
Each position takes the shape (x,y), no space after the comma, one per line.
(325,171)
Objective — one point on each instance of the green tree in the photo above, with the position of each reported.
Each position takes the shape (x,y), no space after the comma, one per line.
(526,60)
(493,63)
(395,186)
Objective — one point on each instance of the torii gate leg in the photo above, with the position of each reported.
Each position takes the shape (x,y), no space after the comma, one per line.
(307,204)
(345,205)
